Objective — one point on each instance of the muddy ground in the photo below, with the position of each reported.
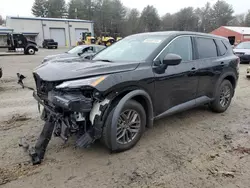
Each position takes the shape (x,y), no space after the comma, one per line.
(192,149)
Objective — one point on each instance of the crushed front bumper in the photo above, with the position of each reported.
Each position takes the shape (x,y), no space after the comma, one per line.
(58,123)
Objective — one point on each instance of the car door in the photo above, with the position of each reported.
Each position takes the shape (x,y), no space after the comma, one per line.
(210,62)
(177,84)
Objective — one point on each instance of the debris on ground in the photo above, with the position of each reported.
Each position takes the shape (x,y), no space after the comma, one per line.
(15,121)
(242,150)
(17,118)
(227,137)
(8,174)
(215,172)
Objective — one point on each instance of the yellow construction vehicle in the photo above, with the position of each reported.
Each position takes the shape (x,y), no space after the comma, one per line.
(86,39)
(105,40)
(117,36)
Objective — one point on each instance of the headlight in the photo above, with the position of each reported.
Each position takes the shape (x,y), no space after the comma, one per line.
(83,82)
(247,53)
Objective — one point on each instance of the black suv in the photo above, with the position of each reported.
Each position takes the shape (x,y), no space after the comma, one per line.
(50,43)
(124,88)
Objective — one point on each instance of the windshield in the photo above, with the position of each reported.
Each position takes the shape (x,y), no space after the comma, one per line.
(243,45)
(76,50)
(132,48)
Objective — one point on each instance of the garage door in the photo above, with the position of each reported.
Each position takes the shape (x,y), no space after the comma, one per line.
(58,34)
(78,33)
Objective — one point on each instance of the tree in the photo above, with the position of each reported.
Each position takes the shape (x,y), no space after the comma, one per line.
(203,15)
(56,8)
(247,19)
(167,22)
(75,9)
(186,20)
(39,8)
(132,22)
(221,14)
(118,17)
(238,20)
(149,19)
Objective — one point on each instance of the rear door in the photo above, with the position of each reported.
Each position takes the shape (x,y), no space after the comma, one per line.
(210,62)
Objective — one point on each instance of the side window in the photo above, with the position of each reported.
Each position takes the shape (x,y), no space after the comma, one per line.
(206,48)
(181,46)
(221,46)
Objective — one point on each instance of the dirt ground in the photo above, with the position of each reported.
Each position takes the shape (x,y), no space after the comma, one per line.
(193,149)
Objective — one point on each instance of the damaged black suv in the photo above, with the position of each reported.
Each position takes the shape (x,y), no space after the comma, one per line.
(124,88)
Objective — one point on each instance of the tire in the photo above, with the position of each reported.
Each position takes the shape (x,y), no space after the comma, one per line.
(30,51)
(141,116)
(223,101)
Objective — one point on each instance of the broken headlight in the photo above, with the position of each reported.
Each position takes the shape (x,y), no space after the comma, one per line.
(82,82)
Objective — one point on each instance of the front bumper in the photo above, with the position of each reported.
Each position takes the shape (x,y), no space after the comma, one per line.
(66,102)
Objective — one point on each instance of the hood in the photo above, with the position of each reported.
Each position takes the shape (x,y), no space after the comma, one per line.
(246,51)
(32,42)
(69,58)
(56,56)
(61,71)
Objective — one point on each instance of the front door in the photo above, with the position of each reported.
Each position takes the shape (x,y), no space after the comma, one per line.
(177,84)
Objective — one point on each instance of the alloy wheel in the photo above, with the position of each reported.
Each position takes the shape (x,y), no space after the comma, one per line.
(225,96)
(128,127)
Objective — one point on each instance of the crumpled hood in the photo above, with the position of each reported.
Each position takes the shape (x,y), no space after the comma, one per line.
(246,51)
(61,71)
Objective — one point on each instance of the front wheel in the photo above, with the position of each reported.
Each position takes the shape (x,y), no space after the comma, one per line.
(30,51)
(223,97)
(130,126)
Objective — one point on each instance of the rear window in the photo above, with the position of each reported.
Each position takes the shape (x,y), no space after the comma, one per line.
(221,46)
(206,48)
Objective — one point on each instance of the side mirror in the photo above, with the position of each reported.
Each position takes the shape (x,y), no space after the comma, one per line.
(172,59)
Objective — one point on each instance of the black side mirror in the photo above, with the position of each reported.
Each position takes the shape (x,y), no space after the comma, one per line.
(172,59)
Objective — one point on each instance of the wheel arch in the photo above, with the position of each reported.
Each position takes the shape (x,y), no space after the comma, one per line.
(141,97)
(231,77)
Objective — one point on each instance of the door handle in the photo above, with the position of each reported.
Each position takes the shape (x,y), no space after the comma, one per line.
(193,69)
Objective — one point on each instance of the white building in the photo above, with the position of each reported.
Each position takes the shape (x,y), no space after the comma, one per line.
(64,31)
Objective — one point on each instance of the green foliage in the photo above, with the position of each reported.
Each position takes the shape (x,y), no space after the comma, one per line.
(39,8)
(112,17)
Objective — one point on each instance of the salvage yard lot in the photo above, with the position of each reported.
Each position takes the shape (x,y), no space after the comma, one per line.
(196,148)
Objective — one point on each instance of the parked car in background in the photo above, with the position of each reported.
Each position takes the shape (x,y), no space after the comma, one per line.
(124,88)
(243,51)
(50,43)
(78,52)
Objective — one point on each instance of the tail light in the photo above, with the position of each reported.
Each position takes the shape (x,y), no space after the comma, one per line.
(238,62)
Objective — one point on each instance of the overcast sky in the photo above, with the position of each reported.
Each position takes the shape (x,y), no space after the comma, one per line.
(23,7)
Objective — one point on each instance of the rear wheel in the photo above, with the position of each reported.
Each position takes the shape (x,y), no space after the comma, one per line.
(223,97)
(130,126)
